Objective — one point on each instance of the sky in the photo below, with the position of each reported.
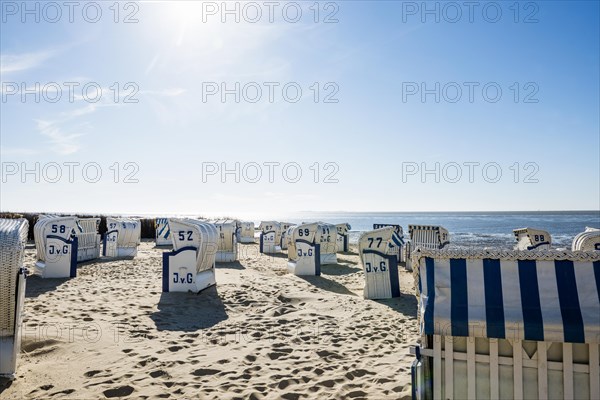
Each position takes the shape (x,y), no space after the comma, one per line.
(169,108)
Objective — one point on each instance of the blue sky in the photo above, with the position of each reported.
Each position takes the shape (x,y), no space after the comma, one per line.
(370,58)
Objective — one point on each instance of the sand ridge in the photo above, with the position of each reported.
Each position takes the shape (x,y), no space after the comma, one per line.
(261,333)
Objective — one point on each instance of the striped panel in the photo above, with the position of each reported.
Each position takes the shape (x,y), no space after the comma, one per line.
(557,301)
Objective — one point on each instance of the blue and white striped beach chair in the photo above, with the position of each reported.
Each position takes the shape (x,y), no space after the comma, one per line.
(163,233)
(507,324)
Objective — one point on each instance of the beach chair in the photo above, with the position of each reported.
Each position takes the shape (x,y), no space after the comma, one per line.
(342,238)
(532,239)
(286,231)
(163,233)
(56,246)
(227,249)
(402,247)
(245,232)
(122,237)
(191,264)
(270,237)
(378,250)
(587,241)
(431,237)
(88,238)
(310,246)
(13,237)
(500,324)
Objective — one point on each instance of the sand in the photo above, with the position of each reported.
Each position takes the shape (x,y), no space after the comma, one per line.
(260,333)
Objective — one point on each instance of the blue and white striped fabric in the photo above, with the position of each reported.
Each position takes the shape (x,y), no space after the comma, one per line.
(163,233)
(552,297)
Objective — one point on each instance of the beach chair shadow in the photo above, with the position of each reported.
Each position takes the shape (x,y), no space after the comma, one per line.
(406,304)
(339,269)
(5,384)
(229,265)
(327,284)
(189,312)
(36,285)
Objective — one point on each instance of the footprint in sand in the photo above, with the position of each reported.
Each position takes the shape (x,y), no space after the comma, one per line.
(120,391)
(205,372)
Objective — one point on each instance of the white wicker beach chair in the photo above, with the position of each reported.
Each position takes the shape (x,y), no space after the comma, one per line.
(227,240)
(402,247)
(13,237)
(428,237)
(342,238)
(88,238)
(57,246)
(191,264)
(122,237)
(532,239)
(378,251)
(310,246)
(270,237)
(507,324)
(587,241)
(286,230)
(245,232)
(163,233)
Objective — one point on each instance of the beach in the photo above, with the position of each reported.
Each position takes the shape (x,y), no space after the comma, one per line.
(261,333)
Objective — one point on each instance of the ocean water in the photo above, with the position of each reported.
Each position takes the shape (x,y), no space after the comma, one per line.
(467,229)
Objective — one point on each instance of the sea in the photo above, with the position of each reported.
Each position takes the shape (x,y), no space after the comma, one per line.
(467,229)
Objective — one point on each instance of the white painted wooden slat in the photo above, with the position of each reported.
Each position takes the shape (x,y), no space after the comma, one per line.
(494,384)
(449,357)
(542,360)
(471,377)
(437,367)
(518,369)
(568,371)
(594,371)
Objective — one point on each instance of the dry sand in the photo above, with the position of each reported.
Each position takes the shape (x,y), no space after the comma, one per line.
(261,333)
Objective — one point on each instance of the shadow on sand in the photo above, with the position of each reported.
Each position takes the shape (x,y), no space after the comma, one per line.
(338,269)
(406,304)
(36,285)
(5,384)
(327,284)
(188,312)
(230,265)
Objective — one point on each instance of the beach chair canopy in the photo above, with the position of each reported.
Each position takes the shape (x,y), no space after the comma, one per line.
(532,239)
(163,233)
(540,296)
(201,235)
(226,229)
(320,233)
(343,229)
(51,225)
(397,228)
(129,231)
(428,236)
(246,228)
(383,240)
(587,241)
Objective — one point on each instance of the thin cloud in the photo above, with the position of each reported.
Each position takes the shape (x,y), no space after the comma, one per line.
(61,142)
(21,62)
